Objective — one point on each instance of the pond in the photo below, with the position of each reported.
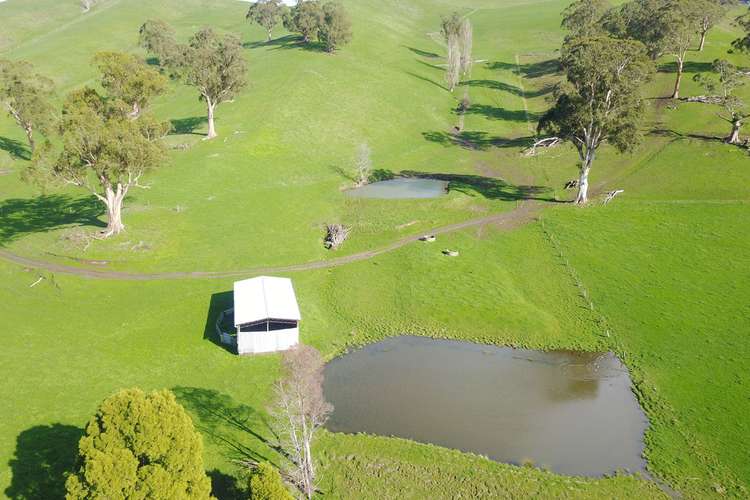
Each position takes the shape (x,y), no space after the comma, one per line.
(570,412)
(401,188)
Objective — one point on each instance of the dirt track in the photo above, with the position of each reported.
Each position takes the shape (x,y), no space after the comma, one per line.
(526,212)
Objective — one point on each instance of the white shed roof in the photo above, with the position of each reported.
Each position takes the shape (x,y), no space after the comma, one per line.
(264,297)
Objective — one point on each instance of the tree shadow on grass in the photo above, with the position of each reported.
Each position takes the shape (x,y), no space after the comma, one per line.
(188,125)
(44,455)
(495,113)
(288,42)
(491,188)
(224,486)
(663,132)
(533,70)
(476,140)
(221,417)
(422,53)
(15,148)
(688,67)
(45,213)
(426,79)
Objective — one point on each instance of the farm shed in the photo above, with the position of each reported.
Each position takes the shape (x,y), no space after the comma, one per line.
(266,315)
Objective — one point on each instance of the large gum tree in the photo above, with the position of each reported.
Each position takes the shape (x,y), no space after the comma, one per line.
(104,151)
(600,99)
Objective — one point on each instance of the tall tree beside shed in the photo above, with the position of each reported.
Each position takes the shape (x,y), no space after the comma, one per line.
(267,14)
(600,100)
(215,65)
(140,445)
(26,94)
(103,151)
(336,28)
(127,78)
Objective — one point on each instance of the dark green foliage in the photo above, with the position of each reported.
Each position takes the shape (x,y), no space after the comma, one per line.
(306,19)
(130,80)
(158,38)
(601,98)
(583,17)
(143,446)
(267,14)
(266,484)
(336,29)
(26,94)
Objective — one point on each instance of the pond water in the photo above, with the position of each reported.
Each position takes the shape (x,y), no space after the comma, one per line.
(401,188)
(570,412)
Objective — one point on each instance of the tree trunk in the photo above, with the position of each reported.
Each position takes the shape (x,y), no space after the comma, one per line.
(680,65)
(703,40)
(583,182)
(270,35)
(113,200)
(30,136)
(136,112)
(211,127)
(734,137)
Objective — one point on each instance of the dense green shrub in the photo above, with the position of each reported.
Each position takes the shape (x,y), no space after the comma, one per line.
(266,484)
(140,446)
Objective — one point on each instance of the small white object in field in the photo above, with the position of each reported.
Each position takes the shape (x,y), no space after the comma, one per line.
(429,238)
(451,253)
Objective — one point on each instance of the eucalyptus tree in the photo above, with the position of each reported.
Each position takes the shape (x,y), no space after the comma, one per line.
(129,79)
(600,100)
(214,65)
(724,82)
(678,19)
(710,12)
(458,34)
(157,38)
(336,28)
(267,14)
(103,151)
(583,17)
(305,18)
(26,95)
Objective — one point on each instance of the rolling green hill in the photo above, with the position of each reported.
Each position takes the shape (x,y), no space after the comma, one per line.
(660,275)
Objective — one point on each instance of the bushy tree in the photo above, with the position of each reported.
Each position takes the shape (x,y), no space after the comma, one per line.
(267,14)
(583,17)
(306,19)
(103,151)
(710,12)
(127,78)
(143,446)
(600,100)
(157,37)
(26,96)
(336,28)
(266,484)
(215,65)
(724,81)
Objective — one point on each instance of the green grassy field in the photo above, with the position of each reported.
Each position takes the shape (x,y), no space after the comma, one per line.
(660,275)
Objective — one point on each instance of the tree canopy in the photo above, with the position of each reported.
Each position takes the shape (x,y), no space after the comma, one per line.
(25,94)
(583,17)
(103,151)
(723,82)
(158,38)
(140,446)
(305,18)
(336,28)
(266,484)
(267,14)
(127,78)
(600,99)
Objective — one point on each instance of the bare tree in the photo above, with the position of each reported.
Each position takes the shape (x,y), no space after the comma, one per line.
(724,82)
(466,42)
(453,68)
(363,164)
(336,235)
(299,411)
